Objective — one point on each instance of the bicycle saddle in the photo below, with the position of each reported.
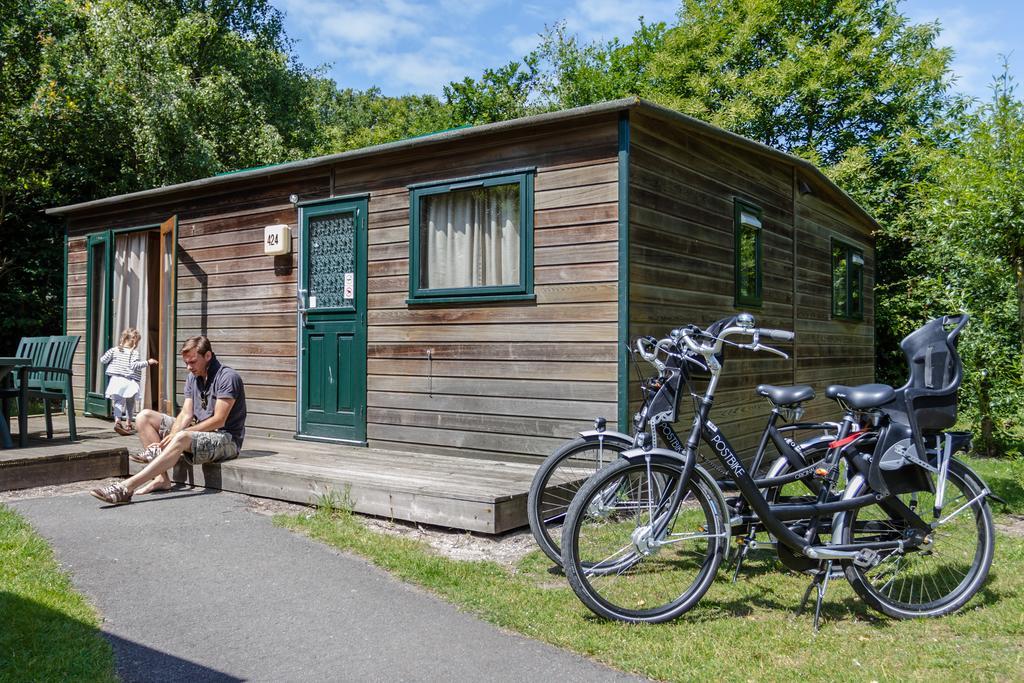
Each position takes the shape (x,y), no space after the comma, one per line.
(786,396)
(861,397)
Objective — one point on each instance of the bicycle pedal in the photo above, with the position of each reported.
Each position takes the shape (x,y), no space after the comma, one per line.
(867,558)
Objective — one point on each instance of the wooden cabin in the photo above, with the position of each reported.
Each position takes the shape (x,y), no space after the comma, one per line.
(472,292)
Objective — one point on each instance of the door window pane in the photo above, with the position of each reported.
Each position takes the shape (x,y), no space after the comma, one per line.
(332,245)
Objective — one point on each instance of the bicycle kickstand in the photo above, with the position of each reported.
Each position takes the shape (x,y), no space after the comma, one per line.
(819,582)
(741,554)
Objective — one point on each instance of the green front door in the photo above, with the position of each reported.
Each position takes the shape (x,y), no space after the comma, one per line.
(332,358)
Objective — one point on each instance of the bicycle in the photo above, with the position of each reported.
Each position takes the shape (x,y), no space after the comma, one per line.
(645,536)
(562,473)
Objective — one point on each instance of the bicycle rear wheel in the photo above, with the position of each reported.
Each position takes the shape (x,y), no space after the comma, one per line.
(938,577)
(558,479)
(633,551)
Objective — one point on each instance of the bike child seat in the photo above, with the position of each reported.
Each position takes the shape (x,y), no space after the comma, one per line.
(928,401)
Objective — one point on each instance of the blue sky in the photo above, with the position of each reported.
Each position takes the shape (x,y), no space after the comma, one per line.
(417,46)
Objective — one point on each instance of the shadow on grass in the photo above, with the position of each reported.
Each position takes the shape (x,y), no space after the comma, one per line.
(43,644)
(1007,487)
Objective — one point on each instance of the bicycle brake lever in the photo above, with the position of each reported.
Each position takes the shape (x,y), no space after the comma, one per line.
(762,347)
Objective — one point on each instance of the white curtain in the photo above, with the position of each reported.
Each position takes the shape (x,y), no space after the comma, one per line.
(472,238)
(131,298)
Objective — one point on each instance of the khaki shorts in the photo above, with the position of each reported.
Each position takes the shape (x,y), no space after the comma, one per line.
(206,447)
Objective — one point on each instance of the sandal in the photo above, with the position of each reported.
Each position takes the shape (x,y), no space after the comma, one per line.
(146,456)
(122,430)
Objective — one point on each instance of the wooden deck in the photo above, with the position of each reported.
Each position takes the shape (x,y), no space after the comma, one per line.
(473,494)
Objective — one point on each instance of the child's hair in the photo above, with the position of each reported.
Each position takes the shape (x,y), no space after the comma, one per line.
(130,338)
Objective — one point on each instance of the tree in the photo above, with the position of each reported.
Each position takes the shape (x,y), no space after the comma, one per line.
(117,95)
(815,78)
(969,251)
(574,74)
(370,118)
(500,94)
(562,72)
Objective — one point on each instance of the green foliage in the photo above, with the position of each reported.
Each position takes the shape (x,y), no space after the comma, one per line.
(107,97)
(365,118)
(574,74)
(968,252)
(814,78)
(500,94)
(562,72)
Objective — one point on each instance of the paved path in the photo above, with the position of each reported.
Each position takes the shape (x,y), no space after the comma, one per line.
(194,586)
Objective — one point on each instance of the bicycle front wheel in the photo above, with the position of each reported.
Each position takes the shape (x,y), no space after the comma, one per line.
(634,550)
(556,482)
(939,576)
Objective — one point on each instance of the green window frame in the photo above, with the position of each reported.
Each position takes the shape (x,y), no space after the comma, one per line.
(749,262)
(420,197)
(847,263)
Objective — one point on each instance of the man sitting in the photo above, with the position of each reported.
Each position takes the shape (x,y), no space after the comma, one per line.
(209,428)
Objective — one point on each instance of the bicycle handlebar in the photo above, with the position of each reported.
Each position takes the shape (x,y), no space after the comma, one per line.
(649,348)
(709,350)
(777,335)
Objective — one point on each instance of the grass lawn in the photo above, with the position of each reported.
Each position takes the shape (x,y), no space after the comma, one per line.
(743,631)
(48,632)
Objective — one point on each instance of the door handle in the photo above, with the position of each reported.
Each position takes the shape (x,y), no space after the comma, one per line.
(330,375)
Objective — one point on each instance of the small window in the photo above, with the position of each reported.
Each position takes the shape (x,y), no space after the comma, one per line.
(847,281)
(472,239)
(748,254)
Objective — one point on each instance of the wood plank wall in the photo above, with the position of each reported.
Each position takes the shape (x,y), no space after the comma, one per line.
(832,351)
(228,289)
(682,189)
(506,378)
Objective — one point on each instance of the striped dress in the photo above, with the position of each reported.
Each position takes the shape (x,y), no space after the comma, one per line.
(124,367)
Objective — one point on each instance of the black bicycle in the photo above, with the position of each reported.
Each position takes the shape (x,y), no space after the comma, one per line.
(563,472)
(911,530)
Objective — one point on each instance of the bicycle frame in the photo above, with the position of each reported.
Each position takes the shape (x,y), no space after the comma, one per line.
(773,516)
(660,410)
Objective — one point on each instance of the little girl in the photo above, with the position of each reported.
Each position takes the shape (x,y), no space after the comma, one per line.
(124,368)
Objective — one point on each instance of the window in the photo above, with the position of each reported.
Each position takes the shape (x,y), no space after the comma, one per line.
(747,219)
(472,239)
(847,281)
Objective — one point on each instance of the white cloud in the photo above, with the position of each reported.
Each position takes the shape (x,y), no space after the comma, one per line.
(605,19)
(521,45)
(419,45)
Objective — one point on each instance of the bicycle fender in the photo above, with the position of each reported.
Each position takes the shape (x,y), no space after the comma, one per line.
(981,482)
(608,434)
(637,455)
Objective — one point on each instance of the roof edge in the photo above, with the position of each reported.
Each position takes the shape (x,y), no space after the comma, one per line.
(483,129)
(314,162)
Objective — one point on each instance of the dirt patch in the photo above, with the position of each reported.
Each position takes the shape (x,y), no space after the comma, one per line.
(54,490)
(1012,525)
(506,549)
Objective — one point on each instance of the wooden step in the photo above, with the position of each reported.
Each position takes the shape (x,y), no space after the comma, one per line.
(487,496)
(470,493)
(76,462)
